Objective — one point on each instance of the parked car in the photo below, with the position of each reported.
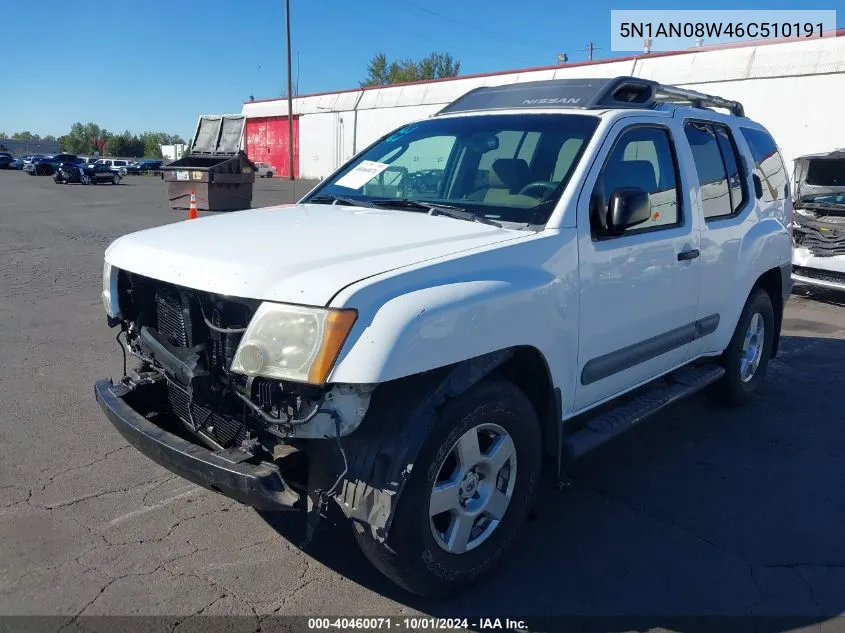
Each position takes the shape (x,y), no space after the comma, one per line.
(415,358)
(6,160)
(86,174)
(47,165)
(18,163)
(819,229)
(264,170)
(117,165)
(144,166)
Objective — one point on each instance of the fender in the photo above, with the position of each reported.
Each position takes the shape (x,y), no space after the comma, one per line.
(413,321)
(765,245)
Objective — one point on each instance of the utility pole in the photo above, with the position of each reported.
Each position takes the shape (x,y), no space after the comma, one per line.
(590,48)
(290,92)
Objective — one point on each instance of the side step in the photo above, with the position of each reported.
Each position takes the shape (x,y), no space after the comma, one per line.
(671,388)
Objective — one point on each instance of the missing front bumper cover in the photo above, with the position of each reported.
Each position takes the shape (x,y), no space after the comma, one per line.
(231,472)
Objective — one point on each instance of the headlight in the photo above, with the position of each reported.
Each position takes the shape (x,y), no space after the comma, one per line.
(110,290)
(292,342)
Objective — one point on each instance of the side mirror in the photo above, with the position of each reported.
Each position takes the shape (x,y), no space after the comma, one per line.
(758,186)
(628,207)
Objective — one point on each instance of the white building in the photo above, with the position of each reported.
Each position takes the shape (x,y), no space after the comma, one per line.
(796,88)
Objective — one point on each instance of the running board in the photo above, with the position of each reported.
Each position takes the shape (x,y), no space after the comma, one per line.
(671,388)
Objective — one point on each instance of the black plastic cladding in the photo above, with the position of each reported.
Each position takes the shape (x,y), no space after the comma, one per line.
(619,92)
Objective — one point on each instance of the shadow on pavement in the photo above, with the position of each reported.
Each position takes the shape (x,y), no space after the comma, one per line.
(705,518)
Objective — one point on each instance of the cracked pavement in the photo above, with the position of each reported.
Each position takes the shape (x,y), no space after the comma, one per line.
(705,511)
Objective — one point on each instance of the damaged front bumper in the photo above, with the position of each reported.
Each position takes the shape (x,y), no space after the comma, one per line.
(822,272)
(232,472)
(823,238)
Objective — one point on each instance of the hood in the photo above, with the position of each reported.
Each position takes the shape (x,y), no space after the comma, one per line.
(820,174)
(301,253)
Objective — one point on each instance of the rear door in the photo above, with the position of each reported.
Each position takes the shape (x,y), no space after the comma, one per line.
(727,206)
(638,290)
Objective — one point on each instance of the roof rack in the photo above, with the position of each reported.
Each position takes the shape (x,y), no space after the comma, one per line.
(619,92)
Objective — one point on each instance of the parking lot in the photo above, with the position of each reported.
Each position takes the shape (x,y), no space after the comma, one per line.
(705,511)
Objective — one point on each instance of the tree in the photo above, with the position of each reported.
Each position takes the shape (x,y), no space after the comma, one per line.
(154,140)
(435,66)
(26,136)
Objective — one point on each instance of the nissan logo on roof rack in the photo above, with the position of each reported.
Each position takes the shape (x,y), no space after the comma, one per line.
(558,101)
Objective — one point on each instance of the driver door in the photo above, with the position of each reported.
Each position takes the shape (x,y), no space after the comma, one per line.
(638,288)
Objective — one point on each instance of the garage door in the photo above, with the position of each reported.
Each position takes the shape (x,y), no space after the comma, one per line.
(267,142)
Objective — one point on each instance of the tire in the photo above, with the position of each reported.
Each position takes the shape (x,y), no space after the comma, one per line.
(85,180)
(743,376)
(114,180)
(415,554)
(269,174)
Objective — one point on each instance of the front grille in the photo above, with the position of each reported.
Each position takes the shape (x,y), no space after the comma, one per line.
(169,319)
(209,324)
(224,429)
(822,275)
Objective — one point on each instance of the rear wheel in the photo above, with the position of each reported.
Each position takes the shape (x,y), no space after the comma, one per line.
(115,180)
(470,491)
(747,356)
(269,174)
(85,179)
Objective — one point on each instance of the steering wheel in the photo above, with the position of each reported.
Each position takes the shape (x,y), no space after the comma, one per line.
(538,184)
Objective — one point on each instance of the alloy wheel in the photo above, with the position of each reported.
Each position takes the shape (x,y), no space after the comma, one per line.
(752,347)
(473,488)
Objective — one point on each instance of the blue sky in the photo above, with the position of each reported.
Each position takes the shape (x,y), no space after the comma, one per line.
(158,65)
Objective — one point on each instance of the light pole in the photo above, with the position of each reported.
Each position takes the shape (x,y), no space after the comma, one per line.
(290,92)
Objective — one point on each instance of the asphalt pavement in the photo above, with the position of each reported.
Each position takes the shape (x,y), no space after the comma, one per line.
(705,512)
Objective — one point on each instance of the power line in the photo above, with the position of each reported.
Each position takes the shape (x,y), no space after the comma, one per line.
(465,25)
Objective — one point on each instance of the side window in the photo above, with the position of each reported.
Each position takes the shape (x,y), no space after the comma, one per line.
(641,158)
(712,177)
(565,157)
(768,165)
(736,177)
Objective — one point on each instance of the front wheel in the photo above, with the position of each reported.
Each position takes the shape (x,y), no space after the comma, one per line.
(269,174)
(471,489)
(115,180)
(747,356)
(85,179)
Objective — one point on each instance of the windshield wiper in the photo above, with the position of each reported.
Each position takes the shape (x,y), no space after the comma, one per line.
(435,209)
(819,205)
(350,201)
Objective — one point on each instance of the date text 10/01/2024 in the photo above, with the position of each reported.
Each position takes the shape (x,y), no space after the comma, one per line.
(416,623)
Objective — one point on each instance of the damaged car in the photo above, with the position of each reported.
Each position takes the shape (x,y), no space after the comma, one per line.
(819,221)
(417,356)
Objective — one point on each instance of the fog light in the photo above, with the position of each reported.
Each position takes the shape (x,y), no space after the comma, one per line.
(251,358)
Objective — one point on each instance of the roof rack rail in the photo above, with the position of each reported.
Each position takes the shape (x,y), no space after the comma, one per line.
(619,92)
(697,99)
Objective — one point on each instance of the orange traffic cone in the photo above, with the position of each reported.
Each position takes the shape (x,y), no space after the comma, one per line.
(192,210)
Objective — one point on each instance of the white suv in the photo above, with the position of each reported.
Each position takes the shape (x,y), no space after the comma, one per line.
(264,170)
(117,165)
(819,228)
(452,308)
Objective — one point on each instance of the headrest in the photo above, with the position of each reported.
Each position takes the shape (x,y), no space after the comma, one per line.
(631,173)
(513,173)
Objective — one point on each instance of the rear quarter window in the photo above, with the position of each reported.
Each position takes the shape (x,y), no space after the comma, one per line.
(768,164)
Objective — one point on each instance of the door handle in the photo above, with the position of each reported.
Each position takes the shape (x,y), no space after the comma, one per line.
(686,255)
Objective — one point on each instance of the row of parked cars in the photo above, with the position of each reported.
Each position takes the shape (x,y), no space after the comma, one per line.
(86,170)
(45,165)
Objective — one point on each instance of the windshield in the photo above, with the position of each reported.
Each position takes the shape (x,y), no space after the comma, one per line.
(825,198)
(506,167)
